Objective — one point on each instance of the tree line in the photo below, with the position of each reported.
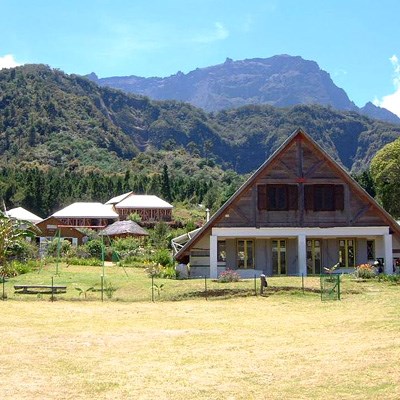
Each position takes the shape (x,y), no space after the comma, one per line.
(44,191)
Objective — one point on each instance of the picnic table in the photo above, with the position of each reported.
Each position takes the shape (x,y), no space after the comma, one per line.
(35,289)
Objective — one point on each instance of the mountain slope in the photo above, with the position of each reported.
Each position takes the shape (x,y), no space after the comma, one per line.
(48,118)
(280,81)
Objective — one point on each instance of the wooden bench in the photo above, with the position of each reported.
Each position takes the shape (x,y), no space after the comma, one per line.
(35,289)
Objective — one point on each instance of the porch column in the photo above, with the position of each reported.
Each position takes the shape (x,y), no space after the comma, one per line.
(301,254)
(388,248)
(213,257)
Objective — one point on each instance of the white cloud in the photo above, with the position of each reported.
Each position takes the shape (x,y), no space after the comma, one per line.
(392,101)
(8,61)
(219,33)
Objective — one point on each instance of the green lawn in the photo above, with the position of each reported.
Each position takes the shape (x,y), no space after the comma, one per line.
(284,345)
(133,284)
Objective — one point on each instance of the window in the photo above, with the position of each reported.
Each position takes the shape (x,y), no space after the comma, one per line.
(221,251)
(347,253)
(277,197)
(279,257)
(245,254)
(324,197)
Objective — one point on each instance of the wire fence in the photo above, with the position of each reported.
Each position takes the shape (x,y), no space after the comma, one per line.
(75,283)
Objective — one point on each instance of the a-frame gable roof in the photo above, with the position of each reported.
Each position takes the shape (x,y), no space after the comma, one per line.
(298,134)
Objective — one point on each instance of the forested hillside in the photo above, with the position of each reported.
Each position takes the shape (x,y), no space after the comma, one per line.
(63,138)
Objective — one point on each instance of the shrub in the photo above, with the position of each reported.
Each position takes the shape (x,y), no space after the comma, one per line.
(163,257)
(56,246)
(26,251)
(364,271)
(135,217)
(228,276)
(19,268)
(159,271)
(94,248)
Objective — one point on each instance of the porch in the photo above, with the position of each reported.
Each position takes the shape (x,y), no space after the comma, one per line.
(290,251)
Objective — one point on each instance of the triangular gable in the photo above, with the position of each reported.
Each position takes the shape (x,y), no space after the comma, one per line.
(271,163)
(51,225)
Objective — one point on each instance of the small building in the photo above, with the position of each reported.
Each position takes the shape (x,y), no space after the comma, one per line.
(52,228)
(87,215)
(150,208)
(24,215)
(298,213)
(122,229)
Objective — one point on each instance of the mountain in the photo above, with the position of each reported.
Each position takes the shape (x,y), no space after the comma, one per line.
(281,81)
(373,111)
(48,118)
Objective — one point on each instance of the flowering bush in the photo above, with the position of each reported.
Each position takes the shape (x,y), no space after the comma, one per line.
(229,276)
(364,271)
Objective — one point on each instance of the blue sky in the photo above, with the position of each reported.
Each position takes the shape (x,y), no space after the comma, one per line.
(356,41)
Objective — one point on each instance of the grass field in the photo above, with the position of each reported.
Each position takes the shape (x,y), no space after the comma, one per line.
(284,345)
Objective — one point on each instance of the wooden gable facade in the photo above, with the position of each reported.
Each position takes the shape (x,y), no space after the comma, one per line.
(51,228)
(299,212)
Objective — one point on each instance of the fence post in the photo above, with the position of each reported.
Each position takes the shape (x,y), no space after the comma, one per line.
(255,285)
(102,288)
(52,288)
(152,288)
(205,286)
(302,282)
(4,281)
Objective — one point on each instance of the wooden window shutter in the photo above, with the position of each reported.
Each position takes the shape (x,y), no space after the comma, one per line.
(293,194)
(262,197)
(339,197)
(309,197)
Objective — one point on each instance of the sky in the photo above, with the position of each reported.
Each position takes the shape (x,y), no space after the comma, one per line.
(356,41)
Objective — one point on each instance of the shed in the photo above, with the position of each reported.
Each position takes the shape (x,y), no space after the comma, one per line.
(124,229)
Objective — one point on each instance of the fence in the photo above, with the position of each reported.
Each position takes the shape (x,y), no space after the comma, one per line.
(114,283)
(330,287)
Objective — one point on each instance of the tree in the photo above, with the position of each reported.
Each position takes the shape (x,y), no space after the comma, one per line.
(385,172)
(365,180)
(165,184)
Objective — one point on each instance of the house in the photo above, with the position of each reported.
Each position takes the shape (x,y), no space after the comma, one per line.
(21,214)
(52,228)
(122,229)
(298,213)
(87,215)
(148,207)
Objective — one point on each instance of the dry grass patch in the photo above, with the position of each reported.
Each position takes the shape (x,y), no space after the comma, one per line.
(280,346)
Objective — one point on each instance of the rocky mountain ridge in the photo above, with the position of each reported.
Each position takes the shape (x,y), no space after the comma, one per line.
(280,81)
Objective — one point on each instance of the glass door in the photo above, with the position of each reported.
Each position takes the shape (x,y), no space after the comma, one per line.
(347,253)
(279,257)
(314,258)
(245,254)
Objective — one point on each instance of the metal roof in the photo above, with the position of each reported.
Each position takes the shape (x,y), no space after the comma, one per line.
(143,201)
(119,198)
(21,214)
(87,210)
